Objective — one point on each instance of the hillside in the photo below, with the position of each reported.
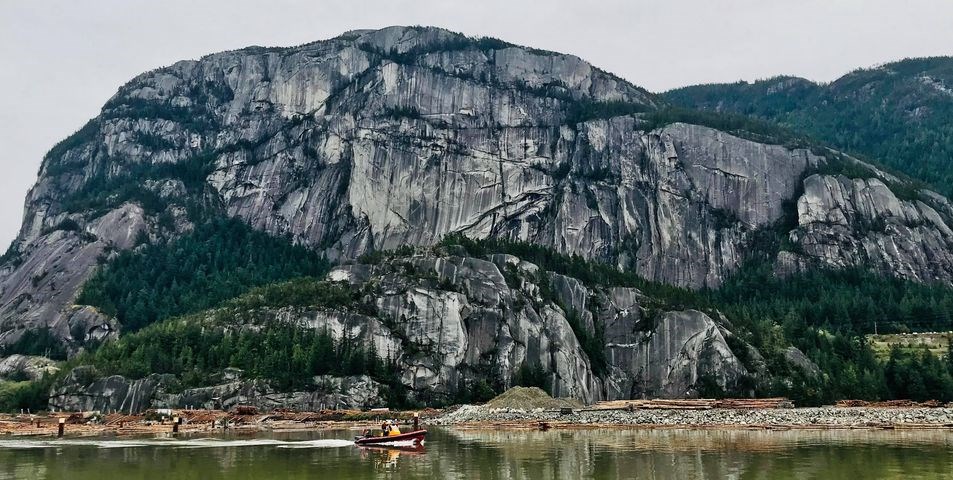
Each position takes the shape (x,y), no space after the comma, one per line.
(465,320)
(898,113)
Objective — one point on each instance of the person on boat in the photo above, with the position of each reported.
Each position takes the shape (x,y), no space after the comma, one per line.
(394,430)
(385,429)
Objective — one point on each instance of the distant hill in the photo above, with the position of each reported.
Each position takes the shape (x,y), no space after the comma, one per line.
(900,113)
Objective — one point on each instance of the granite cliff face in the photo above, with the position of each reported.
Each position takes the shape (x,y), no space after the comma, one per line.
(844,222)
(119,394)
(379,139)
(452,322)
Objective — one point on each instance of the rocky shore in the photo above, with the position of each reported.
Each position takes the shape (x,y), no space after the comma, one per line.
(782,418)
(483,417)
(203,422)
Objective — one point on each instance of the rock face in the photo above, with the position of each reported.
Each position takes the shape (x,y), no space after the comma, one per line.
(38,285)
(354,392)
(846,222)
(80,391)
(23,367)
(451,324)
(381,139)
(377,139)
(897,113)
(673,359)
(459,320)
(119,394)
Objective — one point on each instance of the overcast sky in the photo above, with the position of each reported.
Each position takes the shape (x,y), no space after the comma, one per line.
(60,61)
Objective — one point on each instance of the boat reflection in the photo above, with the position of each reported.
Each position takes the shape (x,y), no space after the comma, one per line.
(385,457)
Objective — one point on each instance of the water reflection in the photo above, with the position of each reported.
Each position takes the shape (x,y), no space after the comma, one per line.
(385,458)
(489,454)
(669,454)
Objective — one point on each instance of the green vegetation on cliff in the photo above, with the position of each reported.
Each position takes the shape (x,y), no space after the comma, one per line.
(36,342)
(241,333)
(284,354)
(824,313)
(24,395)
(218,260)
(898,114)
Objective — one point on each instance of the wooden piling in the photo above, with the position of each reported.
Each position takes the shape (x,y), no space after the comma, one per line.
(62,427)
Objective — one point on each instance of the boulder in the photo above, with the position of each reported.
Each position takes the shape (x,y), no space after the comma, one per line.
(82,390)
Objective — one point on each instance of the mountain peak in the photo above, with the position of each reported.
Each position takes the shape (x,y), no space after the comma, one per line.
(382,139)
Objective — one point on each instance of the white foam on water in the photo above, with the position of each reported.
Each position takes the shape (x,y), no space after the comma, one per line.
(220,443)
(21,444)
(32,444)
(318,444)
(171,443)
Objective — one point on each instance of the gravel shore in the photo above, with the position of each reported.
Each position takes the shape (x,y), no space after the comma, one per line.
(822,417)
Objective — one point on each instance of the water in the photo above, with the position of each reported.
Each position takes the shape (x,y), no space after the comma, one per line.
(474,455)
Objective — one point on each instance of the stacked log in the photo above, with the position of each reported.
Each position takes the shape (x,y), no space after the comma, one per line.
(202,416)
(749,403)
(245,410)
(120,419)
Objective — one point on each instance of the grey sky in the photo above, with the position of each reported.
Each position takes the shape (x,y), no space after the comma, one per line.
(62,60)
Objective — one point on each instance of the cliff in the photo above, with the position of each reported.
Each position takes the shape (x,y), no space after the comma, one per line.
(378,139)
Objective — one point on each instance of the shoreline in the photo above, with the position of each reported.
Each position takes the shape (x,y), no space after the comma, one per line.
(807,418)
(470,417)
(535,425)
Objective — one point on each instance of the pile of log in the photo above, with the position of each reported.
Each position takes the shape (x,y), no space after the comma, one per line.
(289,415)
(695,404)
(201,416)
(120,419)
(245,410)
(654,404)
(891,404)
(749,403)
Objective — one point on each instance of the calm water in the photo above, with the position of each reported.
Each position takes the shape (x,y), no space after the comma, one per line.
(473,455)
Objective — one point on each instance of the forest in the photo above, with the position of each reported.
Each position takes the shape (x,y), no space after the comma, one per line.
(897,114)
(824,313)
(218,260)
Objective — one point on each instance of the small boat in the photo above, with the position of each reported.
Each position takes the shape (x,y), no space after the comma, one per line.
(417,436)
